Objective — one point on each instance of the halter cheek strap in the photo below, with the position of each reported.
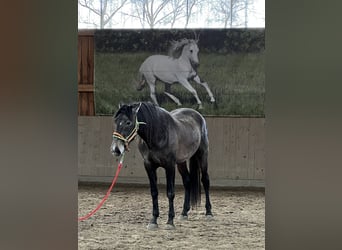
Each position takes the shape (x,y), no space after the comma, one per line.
(131,136)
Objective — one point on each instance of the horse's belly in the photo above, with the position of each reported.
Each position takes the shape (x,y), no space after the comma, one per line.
(184,156)
(168,78)
(186,149)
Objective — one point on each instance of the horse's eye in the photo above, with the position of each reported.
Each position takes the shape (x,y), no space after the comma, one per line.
(128,123)
(191,51)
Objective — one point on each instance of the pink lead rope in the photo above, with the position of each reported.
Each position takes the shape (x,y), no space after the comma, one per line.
(107,194)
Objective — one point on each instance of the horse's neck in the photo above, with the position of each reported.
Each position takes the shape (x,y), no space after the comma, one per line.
(185,61)
(151,132)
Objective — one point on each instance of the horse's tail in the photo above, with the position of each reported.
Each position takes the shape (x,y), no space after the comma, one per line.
(195,182)
(141,81)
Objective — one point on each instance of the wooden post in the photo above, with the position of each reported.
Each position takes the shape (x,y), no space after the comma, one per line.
(86,105)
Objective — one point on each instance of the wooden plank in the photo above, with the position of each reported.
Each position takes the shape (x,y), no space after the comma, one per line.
(91,104)
(85,88)
(87,60)
(84,103)
(86,32)
(81,104)
(85,76)
(79,101)
(84,60)
(79,60)
(90,60)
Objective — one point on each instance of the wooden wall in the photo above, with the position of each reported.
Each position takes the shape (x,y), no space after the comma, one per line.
(86,73)
(236,157)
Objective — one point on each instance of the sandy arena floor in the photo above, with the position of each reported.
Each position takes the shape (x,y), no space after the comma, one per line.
(239,220)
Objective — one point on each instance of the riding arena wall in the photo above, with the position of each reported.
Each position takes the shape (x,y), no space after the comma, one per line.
(237,143)
(236,153)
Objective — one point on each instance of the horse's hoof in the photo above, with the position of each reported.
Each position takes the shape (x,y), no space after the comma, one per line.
(183,217)
(200,106)
(152,226)
(209,217)
(212,100)
(170,227)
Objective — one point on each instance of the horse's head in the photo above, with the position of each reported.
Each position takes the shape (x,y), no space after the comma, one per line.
(191,51)
(126,128)
(186,48)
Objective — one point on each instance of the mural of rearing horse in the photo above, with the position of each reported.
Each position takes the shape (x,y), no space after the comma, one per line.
(180,66)
(167,139)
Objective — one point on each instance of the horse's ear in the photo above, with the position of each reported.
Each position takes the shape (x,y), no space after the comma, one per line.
(197,36)
(136,107)
(120,105)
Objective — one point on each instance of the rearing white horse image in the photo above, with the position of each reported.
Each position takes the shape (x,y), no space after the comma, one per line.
(172,69)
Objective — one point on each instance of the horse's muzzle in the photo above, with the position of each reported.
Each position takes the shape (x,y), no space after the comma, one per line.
(195,65)
(117,148)
(116,152)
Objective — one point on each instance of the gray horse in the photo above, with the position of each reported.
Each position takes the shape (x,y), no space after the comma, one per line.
(167,139)
(178,67)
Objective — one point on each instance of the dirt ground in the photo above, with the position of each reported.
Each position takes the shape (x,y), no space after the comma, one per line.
(238,223)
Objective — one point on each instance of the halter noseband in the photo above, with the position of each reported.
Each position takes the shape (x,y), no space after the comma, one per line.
(131,136)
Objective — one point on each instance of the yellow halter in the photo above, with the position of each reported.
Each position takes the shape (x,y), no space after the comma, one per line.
(131,136)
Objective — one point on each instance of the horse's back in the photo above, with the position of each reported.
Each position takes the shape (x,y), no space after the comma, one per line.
(187,113)
(159,66)
(191,131)
(156,62)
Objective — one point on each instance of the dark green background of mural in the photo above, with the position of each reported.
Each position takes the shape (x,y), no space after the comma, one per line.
(232,61)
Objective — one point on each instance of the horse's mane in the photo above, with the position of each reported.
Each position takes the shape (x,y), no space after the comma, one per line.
(156,123)
(176,47)
(124,110)
(149,111)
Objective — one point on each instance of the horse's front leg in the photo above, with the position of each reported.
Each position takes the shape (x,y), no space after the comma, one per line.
(205,85)
(188,86)
(152,175)
(170,189)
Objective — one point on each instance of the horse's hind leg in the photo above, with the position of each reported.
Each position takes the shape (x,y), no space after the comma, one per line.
(153,93)
(203,159)
(206,185)
(183,170)
(173,98)
(151,80)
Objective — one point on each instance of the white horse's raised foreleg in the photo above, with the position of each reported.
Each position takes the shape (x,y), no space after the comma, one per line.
(188,86)
(205,85)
